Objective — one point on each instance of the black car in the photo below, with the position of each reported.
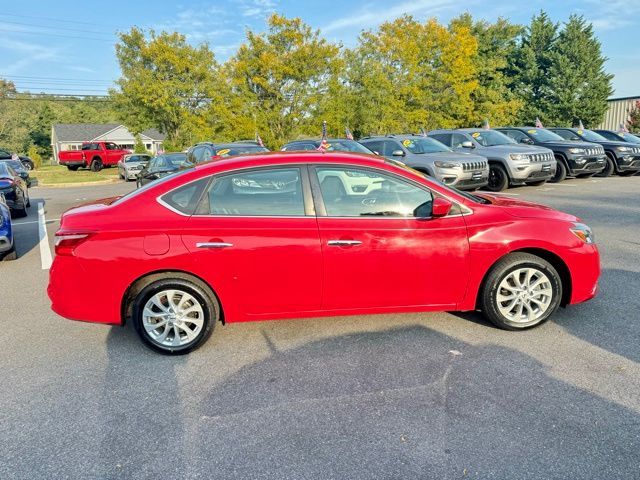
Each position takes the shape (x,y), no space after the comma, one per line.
(619,136)
(20,170)
(334,145)
(161,166)
(622,158)
(202,152)
(576,159)
(26,161)
(14,190)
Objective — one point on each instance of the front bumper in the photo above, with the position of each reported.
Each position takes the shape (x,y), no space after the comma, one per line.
(463,179)
(627,163)
(6,242)
(580,164)
(532,172)
(584,265)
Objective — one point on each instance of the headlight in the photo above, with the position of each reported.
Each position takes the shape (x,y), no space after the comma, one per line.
(583,232)
(440,164)
(623,149)
(577,151)
(519,157)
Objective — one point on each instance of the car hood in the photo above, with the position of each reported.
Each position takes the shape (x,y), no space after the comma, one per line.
(452,156)
(524,209)
(515,148)
(134,164)
(567,144)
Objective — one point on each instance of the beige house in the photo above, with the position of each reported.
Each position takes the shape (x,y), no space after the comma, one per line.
(618,112)
(70,136)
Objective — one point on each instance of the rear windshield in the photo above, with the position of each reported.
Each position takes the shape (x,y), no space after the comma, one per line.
(239,150)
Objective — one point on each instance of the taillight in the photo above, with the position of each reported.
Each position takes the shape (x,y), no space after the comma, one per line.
(67,242)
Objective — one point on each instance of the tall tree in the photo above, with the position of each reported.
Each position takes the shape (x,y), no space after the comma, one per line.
(409,75)
(497,42)
(279,78)
(166,83)
(579,85)
(530,65)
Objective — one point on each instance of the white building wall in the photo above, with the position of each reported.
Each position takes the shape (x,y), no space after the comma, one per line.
(618,112)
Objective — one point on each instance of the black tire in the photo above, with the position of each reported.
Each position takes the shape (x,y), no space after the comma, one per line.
(10,255)
(22,212)
(28,165)
(609,167)
(561,172)
(537,183)
(96,165)
(73,168)
(498,178)
(488,301)
(208,303)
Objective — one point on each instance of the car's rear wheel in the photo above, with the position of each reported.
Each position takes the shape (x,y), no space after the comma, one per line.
(22,210)
(498,178)
(174,316)
(520,292)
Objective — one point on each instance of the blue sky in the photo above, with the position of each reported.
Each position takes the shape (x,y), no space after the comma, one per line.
(66,46)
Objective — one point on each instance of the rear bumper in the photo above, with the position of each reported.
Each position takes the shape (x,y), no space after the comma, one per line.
(72,296)
(72,163)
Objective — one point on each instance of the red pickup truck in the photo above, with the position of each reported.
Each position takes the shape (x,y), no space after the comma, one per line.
(93,155)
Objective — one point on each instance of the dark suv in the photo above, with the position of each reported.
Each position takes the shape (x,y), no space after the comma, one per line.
(622,157)
(578,159)
(333,145)
(201,152)
(464,171)
(619,136)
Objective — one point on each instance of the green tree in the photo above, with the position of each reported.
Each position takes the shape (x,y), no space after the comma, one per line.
(139,145)
(578,83)
(277,80)
(497,42)
(529,68)
(409,75)
(165,83)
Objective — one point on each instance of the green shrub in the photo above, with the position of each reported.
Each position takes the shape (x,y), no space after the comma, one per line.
(35,156)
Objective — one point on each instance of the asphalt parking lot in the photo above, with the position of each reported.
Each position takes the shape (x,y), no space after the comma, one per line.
(385,396)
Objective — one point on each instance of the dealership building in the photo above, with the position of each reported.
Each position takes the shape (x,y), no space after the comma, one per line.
(70,136)
(618,112)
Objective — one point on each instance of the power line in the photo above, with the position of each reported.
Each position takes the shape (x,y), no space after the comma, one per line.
(53,19)
(40,34)
(54,28)
(28,77)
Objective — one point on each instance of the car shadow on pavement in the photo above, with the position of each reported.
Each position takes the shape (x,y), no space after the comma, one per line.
(407,402)
(611,320)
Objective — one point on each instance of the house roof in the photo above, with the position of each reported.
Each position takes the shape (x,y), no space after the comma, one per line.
(83,132)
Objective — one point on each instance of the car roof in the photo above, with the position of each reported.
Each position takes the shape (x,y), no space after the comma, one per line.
(391,136)
(318,140)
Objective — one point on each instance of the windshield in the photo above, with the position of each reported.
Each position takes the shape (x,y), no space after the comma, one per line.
(345,145)
(137,158)
(544,135)
(591,136)
(15,164)
(178,159)
(491,138)
(629,137)
(424,145)
(4,171)
(239,150)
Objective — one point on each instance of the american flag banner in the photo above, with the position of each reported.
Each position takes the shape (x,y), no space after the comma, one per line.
(539,123)
(348,134)
(14,156)
(485,124)
(324,145)
(259,140)
(623,128)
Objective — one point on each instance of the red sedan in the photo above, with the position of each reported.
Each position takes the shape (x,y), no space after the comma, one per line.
(310,234)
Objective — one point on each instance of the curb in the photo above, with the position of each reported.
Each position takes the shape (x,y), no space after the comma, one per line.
(77,184)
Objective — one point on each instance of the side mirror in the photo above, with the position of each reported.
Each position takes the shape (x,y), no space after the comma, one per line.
(376,153)
(467,144)
(526,141)
(441,207)
(397,153)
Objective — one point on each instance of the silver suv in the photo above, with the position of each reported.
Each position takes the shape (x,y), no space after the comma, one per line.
(509,162)
(463,171)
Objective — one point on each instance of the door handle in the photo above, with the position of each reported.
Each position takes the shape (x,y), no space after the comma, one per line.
(344,243)
(214,245)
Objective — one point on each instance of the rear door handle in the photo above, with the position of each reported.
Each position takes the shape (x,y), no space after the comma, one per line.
(344,243)
(214,245)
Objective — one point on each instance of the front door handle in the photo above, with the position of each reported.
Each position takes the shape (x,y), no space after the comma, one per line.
(214,245)
(344,243)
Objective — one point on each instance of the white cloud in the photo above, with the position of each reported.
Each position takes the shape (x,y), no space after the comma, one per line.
(30,53)
(371,16)
(612,14)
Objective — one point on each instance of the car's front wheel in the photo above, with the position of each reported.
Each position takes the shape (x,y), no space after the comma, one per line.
(521,291)
(498,178)
(174,316)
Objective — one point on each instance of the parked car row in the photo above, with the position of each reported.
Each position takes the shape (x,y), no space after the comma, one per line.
(27,163)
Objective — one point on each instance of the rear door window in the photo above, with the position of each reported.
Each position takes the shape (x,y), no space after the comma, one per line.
(444,138)
(185,199)
(272,192)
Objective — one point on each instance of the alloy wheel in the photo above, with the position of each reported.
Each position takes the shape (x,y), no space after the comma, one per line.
(173,318)
(524,295)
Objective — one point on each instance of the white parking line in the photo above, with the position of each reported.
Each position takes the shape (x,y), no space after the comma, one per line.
(565,185)
(45,250)
(13,224)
